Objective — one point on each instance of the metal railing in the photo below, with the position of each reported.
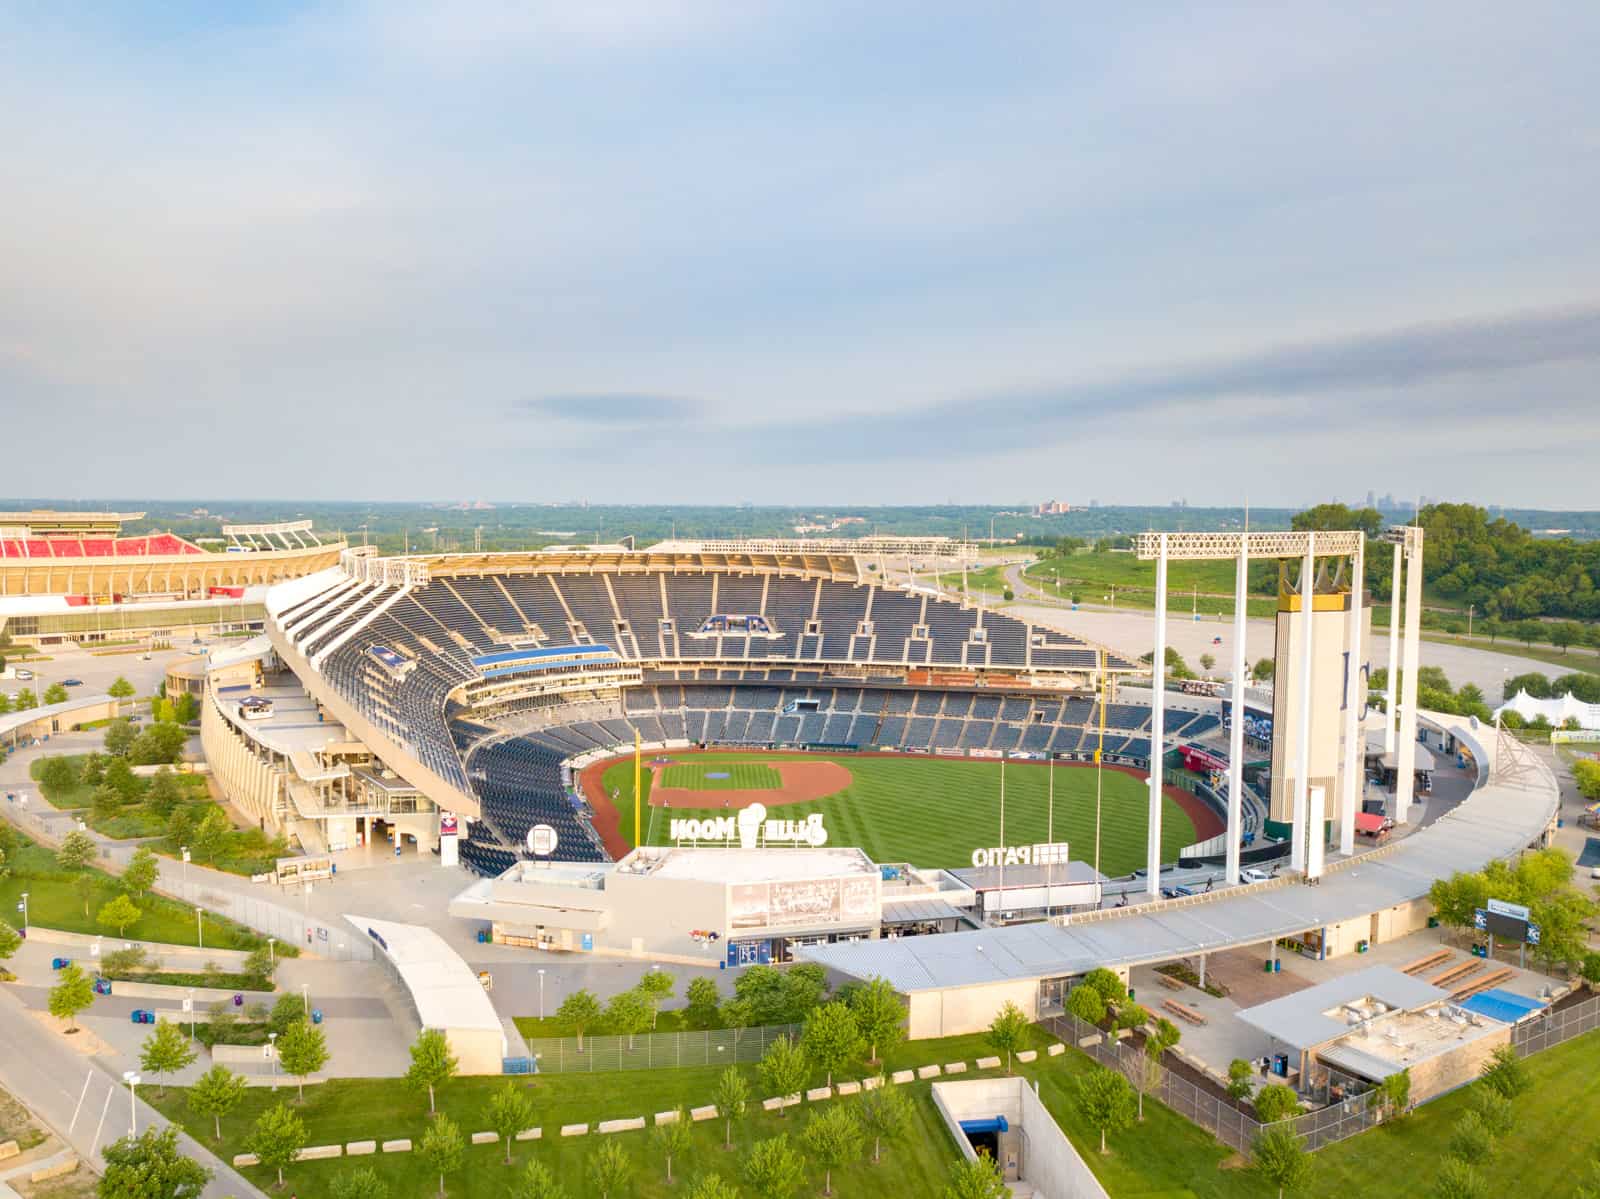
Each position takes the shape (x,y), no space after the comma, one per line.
(656,1051)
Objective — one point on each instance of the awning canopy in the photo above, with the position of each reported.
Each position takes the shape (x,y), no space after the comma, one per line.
(1369,822)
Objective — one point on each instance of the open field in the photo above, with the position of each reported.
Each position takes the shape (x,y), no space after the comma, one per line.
(1542,1158)
(935,811)
(55,901)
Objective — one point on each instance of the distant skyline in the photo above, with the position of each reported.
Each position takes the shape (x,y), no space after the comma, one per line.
(820,254)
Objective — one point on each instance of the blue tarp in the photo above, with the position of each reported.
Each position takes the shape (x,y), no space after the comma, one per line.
(1591,852)
(1501,1005)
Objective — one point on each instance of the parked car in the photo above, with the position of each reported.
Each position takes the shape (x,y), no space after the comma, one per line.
(141,1015)
(24,675)
(72,682)
(1252,875)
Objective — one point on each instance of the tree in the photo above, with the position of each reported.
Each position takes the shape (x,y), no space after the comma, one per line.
(76,851)
(287,1011)
(1458,1180)
(579,1012)
(120,688)
(277,1138)
(1505,1074)
(1566,634)
(1276,1102)
(733,1101)
(261,964)
(141,873)
(783,1069)
(1008,1031)
(303,1050)
(831,1039)
(159,744)
(26,699)
(118,913)
(56,776)
(1132,1015)
(711,1186)
(537,1182)
(166,1051)
(1263,670)
(1393,1095)
(1470,1139)
(628,1014)
(361,1183)
(443,1148)
(1207,661)
(1106,1101)
(702,998)
(880,1015)
(208,839)
(673,1138)
(609,1168)
(510,1111)
(5,698)
(833,1138)
(119,738)
(885,1115)
(164,793)
(185,709)
(151,1166)
(656,987)
(216,1093)
(1085,1003)
(975,1178)
(432,1063)
(1241,1079)
(1163,1035)
(773,1168)
(1108,983)
(55,693)
(1495,1110)
(1280,1158)
(84,885)
(73,993)
(10,942)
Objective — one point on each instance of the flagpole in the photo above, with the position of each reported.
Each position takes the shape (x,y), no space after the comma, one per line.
(1002,838)
(637,771)
(1099,770)
(1050,836)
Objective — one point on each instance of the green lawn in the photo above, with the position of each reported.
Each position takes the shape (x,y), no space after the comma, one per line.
(55,902)
(741,776)
(361,1109)
(935,811)
(79,795)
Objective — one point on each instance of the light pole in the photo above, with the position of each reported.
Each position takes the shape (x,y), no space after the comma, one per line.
(272,953)
(305,996)
(24,913)
(132,1079)
(272,1052)
(199,929)
(541,994)
(191,1013)
(184,850)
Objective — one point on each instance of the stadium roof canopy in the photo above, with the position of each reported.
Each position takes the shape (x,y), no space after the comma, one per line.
(567,561)
(445,991)
(1498,819)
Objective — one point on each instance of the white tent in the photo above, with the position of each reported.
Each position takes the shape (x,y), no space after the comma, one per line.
(1557,711)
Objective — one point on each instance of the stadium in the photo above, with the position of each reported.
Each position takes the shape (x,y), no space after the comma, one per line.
(504,687)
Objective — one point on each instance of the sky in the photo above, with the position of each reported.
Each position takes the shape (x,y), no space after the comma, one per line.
(661,252)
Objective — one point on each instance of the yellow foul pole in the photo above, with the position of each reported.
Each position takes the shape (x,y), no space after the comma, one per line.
(637,772)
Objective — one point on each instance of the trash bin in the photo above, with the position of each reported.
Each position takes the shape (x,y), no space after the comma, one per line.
(316,1015)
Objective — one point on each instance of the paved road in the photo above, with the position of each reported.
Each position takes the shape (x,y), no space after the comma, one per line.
(38,1067)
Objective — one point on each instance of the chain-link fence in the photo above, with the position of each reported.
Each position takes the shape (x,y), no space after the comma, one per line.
(656,1051)
(1534,1036)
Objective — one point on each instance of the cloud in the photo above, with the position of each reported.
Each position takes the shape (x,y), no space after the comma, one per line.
(1272,384)
(614,409)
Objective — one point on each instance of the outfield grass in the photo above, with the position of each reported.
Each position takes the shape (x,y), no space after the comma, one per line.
(933,811)
(742,776)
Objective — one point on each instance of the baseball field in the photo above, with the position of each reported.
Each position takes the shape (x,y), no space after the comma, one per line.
(926,810)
